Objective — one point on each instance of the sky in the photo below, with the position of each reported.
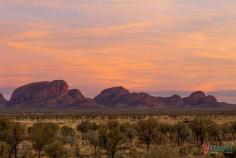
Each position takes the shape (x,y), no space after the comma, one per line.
(143,45)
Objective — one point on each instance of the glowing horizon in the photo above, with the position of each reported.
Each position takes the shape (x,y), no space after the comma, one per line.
(144,45)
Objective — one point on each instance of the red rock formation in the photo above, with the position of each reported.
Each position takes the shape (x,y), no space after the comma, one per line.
(119,96)
(200,98)
(142,100)
(79,99)
(35,92)
(112,96)
(135,98)
(210,100)
(57,88)
(195,98)
(56,94)
(47,94)
(76,94)
(174,100)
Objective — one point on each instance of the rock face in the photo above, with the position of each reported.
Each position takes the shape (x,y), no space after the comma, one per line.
(76,94)
(3,101)
(195,98)
(134,99)
(56,94)
(200,98)
(39,91)
(143,100)
(46,94)
(112,96)
(174,100)
(78,98)
(119,96)
(209,100)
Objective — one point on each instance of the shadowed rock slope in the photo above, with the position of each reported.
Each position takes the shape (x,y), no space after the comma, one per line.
(3,101)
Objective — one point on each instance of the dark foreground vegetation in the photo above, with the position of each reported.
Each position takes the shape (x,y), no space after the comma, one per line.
(139,137)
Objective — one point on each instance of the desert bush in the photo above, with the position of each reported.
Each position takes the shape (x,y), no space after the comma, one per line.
(67,135)
(129,132)
(93,138)
(42,134)
(12,134)
(55,150)
(85,126)
(226,132)
(77,153)
(146,131)
(4,150)
(183,132)
(160,134)
(111,138)
(215,133)
(233,127)
(201,128)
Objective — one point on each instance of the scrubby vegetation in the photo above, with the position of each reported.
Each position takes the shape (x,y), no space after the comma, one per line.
(134,136)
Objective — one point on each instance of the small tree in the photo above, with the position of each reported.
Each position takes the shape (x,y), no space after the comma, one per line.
(93,139)
(77,153)
(233,127)
(13,134)
(83,127)
(215,133)
(146,129)
(158,137)
(55,150)
(42,134)
(226,132)
(182,132)
(18,133)
(67,134)
(4,150)
(110,138)
(200,128)
(161,133)
(129,132)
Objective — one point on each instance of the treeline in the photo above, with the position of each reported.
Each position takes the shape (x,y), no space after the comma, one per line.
(145,138)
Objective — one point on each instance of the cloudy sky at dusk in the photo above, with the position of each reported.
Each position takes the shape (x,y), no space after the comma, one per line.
(144,45)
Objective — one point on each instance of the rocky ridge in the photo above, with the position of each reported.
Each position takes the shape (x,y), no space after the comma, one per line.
(47,94)
(119,96)
(56,94)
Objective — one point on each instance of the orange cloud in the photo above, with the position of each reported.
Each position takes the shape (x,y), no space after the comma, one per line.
(143,45)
